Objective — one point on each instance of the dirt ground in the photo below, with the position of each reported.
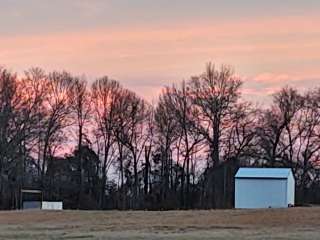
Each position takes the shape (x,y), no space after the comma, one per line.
(294,223)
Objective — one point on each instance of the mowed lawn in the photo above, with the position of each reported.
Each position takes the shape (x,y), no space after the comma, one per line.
(294,223)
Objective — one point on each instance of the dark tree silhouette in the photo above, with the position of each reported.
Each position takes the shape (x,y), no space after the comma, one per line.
(104,147)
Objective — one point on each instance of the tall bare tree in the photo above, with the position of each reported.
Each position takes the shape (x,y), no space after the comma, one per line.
(56,119)
(180,104)
(277,140)
(215,94)
(166,134)
(36,85)
(18,120)
(307,144)
(105,93)
(80,108)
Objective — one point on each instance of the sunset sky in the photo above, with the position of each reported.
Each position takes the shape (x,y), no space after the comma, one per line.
(148,44)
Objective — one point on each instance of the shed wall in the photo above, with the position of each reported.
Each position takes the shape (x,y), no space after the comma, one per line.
(52,205)
(290,190)
(260,193)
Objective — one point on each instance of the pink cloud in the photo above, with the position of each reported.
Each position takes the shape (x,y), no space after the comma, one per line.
(262,86)
(272,78)
(163,54)
(269,77)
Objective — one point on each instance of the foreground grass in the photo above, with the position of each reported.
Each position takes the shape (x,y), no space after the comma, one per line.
(295,223)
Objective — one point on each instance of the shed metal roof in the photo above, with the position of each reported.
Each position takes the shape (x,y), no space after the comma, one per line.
(263,173)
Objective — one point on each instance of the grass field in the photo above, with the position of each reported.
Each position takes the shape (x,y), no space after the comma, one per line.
(294,223)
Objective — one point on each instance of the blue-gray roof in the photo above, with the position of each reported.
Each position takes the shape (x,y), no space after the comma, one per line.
(263,173)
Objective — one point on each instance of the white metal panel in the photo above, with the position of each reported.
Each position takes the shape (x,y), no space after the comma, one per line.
(263,173)
(290,189)
(260,193)
(52,206)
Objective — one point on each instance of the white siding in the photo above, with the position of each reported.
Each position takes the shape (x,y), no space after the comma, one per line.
(290,190)
(52,206)
(260,193)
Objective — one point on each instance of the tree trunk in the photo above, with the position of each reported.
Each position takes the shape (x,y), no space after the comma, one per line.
(136,183)
(123,192)
(146,173)
(80,167)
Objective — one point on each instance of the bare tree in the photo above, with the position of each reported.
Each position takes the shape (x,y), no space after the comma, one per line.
(105,94)
(80,109)
(240,141)
(36,85)
(132,131)
(307,145)
(276,129)
(17,131)
(214,94)
(180,104)
(166,134)
(56,119)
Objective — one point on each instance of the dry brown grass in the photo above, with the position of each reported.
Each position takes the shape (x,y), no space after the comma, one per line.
(295,223)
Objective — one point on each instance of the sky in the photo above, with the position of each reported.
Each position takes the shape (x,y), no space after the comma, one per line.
(146,44)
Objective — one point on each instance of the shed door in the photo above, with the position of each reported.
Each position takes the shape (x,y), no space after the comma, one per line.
(260,193)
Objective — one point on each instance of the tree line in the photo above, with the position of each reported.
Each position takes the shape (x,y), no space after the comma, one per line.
(101,146)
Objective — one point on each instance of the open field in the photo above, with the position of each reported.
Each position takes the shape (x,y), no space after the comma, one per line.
(295,223)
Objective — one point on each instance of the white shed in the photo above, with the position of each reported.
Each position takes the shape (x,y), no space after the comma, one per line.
(264,188)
